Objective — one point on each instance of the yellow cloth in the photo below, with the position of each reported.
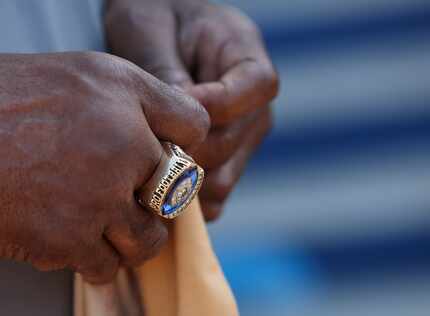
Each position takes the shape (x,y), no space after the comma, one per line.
(184,280)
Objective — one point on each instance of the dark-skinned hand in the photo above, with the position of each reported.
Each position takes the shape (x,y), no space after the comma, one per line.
(215,54)
(79,133)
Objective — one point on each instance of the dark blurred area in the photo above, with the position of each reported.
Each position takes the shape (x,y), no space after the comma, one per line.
(333,214)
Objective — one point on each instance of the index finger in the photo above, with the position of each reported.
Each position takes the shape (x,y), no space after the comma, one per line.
(248,81)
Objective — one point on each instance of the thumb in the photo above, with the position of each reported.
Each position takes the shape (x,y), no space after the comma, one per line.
(171,114)
(148,39)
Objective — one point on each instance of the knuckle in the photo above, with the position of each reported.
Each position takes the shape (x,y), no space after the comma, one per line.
(49,261)
(269,81)
(219,146)
(148,244)
(199,123)
(240,20)
(203,123)
(111,68)
(222,187)
(228,138)
(93,60)
(51,251)
(48,265)
(14,252)
(223,190)
(117,147)
(156,240)
(212,211)
(98,269)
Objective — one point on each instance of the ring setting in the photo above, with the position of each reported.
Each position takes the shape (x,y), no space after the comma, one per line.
(174,184)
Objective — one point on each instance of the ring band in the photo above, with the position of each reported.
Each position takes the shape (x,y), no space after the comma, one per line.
(174,184)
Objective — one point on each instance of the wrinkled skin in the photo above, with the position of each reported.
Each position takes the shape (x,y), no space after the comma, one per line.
(215,54)
(79,133)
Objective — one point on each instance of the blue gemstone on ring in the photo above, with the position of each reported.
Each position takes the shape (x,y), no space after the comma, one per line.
(181,191)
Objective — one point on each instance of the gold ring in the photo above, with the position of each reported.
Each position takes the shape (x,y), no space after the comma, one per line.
(174,184)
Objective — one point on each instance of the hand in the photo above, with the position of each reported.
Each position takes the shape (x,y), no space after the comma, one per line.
(215,54)
(79,133)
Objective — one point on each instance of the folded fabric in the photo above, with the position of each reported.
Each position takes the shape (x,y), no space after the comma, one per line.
(184,280)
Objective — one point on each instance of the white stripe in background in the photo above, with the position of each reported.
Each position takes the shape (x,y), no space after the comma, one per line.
(376,194)
(368,82)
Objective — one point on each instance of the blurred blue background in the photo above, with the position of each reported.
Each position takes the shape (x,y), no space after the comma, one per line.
(332,216)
